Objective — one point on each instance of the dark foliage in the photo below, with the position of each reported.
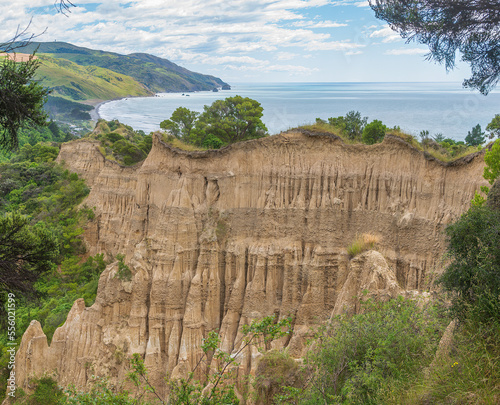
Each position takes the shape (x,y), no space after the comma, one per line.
(21,100)
(374,132)
(26,252)
(470,27)
(475,137)
(474,272)
(352,124)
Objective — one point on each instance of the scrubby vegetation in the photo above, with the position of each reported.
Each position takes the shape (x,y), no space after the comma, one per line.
(42,199)
(121,143)
(360,359)
(353,128)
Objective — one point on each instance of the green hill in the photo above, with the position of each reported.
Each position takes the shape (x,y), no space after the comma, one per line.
(155,74)
(75,82)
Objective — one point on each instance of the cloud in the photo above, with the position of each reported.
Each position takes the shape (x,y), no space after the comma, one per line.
(406,51)
(355,3)
(218,26)
(320,24)
(387,34)
(286,56)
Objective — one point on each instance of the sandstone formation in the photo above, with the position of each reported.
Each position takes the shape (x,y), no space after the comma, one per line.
(216,239)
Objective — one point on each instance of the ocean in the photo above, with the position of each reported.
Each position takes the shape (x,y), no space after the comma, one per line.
(444,108)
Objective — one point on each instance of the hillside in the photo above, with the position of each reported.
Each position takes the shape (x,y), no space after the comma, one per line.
(75,82)
(155,74)
(217,239)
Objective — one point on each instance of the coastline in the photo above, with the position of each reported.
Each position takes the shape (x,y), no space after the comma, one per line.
(94,113)
(95,116)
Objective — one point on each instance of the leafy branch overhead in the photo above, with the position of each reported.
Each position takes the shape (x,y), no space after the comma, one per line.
(471,27)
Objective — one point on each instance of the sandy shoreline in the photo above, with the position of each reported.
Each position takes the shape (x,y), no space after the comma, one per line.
(94,114)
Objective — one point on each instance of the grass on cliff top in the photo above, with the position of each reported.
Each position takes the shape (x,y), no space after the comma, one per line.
(177,143)
(434,149)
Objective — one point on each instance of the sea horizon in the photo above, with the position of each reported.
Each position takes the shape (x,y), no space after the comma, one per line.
(439,107)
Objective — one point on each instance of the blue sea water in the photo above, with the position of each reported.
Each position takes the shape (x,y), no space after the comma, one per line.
(445,108)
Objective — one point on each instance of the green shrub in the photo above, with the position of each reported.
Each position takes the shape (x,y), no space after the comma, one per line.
(212,142)
(468,374)
(374,132)
(474,272)
(492,160)
(124,273)
(275,371)
(47,392)
(113,137)
(356,358)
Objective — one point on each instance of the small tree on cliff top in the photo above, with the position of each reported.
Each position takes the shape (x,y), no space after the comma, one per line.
(181,123)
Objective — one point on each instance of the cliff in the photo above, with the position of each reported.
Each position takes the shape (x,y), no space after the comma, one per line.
(215,239)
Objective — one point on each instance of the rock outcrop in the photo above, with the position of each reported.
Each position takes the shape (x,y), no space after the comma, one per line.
(216,239)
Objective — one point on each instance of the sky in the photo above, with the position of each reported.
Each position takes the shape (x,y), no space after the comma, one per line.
(239,40)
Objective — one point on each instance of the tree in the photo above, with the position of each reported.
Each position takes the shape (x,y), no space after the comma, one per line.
(470,27)
(26,252)
(231,120)
(492,160)
(181,123)
(474,272)
(476,137)
(424,136)
(21,100)
(374,132)
(352,124)
(439,137)
(494,127)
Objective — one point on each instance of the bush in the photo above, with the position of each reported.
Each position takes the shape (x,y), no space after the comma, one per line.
(374,132)
(492,160)
(470,374)
(212,142)
(351,125)
(275,371)
(46,392)
(356,358)
(474,272)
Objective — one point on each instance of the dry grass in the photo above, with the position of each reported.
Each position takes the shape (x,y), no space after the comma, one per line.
(366,241)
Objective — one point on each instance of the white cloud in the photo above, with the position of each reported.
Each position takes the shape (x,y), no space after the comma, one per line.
(355,3)
(190,26)
(406,51)
(387,34)
(320,24)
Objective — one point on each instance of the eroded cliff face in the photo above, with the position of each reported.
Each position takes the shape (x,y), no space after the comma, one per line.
(216,239)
